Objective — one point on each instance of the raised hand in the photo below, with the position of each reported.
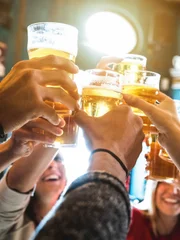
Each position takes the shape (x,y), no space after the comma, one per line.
(23,91)
(119,131)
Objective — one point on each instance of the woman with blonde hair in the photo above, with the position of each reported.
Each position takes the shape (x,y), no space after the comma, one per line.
(158,216)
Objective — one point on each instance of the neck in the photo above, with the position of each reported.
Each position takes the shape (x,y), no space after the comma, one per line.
(166,224)
(42,206)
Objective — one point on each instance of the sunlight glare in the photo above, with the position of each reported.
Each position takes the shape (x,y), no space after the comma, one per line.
(110,33)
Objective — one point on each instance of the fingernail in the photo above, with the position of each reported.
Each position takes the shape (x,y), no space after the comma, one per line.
(50,140)
(77,107)
(76,67)
(58,121)
(59,131)
(127,96)
(76,94)
(62,123)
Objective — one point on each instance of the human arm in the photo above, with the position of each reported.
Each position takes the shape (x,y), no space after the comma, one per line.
(23,140)
(12,208)
(24,173)
(18,184)
(96,205)
(164,117)
(119,131)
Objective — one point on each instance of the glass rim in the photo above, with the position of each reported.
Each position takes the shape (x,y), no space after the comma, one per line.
(103,70)
(55,23)
(143,71)
(134,55)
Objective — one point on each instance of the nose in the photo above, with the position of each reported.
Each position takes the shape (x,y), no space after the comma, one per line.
(52,164)
(176,190)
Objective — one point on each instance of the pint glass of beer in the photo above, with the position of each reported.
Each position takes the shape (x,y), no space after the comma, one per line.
(50,38)
(130,62)
(163,154)
(157,168)
(145,85)
(101,92)
(159,164)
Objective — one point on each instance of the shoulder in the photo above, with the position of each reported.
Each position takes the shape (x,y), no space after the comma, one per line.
(140,225)
(138,217)
(136,213)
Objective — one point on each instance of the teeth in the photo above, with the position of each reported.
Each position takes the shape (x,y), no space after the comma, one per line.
(52,177)
(170,200)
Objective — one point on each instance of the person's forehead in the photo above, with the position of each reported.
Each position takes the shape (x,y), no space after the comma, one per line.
(164,187)
(58,160)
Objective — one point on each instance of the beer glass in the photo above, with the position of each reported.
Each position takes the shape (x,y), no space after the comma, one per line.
(156,167)
(130,62)
(163,154)
(101,92)
(145,85)
(51,38)
(159,165)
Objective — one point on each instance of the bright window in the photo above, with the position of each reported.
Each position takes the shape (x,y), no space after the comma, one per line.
(110,33)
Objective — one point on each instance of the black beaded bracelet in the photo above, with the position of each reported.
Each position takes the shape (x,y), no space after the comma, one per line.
(2,134)
(114,156)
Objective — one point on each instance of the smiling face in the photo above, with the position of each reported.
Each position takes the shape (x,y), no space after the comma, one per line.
(168,199)
(52,182)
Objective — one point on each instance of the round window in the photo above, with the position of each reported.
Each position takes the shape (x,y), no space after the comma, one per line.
(110,33)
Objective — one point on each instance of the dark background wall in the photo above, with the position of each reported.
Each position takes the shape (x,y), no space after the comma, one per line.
(157,24)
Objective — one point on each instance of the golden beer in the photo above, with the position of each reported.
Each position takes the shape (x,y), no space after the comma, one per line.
(70,130)
(42,52)
(96,101)
(58,39)
(148,94)
(130,62)
(163,153)
(159,169)
(130,66)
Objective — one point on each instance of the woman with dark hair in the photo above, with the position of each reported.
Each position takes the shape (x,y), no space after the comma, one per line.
(48,190)
(32,184)
(22,209)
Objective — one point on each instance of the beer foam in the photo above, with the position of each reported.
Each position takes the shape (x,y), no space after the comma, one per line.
(146,82)
(106,82)
(134,58)
(57,36)
(104,86)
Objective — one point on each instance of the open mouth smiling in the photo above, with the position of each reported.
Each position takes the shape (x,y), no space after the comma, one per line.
(171,200)
(51,177)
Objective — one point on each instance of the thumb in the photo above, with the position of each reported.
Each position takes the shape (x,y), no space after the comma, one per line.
(49,114)
(134,101)
(81,118)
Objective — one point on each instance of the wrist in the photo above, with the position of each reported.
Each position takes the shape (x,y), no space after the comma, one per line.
(6,151)
(11,149)
(103,161)
(111,147)
(7,156)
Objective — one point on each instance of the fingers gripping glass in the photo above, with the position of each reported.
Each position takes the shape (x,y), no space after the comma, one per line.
(58,39)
